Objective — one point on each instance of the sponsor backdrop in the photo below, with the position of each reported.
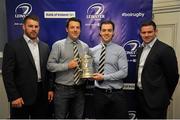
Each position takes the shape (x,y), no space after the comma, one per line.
(126,14)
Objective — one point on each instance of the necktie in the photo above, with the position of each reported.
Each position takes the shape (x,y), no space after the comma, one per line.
(77,70)
(102,61)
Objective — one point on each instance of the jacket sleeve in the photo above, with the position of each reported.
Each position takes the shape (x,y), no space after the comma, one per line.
(8,71)
(51,78)
(170,68)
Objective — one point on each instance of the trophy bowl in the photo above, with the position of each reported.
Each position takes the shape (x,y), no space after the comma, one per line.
(86,66)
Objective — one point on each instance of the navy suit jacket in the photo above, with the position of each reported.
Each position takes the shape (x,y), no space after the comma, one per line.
(159,76)
(19,71)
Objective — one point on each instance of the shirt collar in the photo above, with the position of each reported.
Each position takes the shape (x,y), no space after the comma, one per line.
(69,40)
(149,44)
(106,44)
(27,39)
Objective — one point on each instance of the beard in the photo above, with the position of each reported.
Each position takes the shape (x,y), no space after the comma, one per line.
(32,35)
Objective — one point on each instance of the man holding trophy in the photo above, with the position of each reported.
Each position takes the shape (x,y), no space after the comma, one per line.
(111,66)
(66,61)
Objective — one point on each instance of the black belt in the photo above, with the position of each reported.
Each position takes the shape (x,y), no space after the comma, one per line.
(71,86)
(107,90)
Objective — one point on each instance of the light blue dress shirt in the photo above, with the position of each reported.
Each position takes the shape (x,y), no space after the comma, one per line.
(116,65)
(61,54)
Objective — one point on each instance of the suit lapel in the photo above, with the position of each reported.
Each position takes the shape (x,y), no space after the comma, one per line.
(139,55)
(28,52)
(40,54)
(139,52)
(151,53)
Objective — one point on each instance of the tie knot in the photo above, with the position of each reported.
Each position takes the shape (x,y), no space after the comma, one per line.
(74,43)
(104,46)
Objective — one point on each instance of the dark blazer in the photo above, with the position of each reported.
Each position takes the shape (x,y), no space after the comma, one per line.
(19,71)
(160,74)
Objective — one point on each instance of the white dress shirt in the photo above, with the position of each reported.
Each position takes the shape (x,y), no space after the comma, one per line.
(33,46)
(145,52)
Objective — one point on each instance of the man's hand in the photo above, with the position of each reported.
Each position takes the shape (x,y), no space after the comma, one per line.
(50,96)
(17,103)
(72,64)
(98,76)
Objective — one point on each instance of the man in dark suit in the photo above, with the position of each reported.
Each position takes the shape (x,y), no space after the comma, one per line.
(25,76)
(157,74)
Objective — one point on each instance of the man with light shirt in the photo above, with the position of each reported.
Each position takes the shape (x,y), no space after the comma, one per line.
(111,67)
(26,79)
(64,61)
(156,74)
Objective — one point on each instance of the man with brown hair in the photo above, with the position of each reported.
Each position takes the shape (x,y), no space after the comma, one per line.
(25,76)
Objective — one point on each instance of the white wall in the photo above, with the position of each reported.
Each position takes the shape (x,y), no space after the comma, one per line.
(4,109)
(167,17)
(4,112)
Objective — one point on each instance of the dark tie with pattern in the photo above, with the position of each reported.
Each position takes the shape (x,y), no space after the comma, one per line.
(77,70)
(102,61)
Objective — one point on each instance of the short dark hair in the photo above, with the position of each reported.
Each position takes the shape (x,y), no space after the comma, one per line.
(107,22)
(32,17)
(148,23)
(73,19)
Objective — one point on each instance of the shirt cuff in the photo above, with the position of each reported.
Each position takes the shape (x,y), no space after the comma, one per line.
(106,77)
(65,66)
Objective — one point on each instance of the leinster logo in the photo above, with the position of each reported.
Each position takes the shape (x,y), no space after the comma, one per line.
(95,11)
(132,115)
(22,10)
(131,47)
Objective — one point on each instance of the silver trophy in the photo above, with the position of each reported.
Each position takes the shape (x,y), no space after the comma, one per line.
(86,66)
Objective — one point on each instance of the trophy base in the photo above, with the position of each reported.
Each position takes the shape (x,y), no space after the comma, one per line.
(87,76)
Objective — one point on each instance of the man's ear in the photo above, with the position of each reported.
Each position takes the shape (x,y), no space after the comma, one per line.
(156,32)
